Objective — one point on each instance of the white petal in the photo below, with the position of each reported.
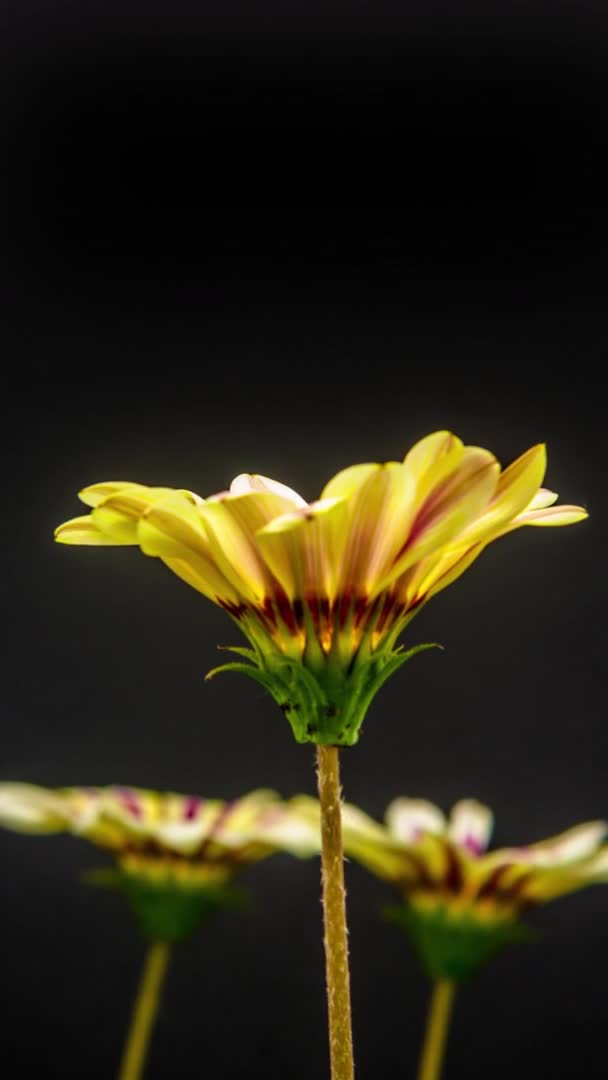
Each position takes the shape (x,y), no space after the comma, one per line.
(409,819)
(470,826)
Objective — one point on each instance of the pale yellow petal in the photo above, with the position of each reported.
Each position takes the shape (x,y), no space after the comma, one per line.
(28,808)
(373,846)
(552,515)
(579,842)
(284,828)
(542,499)
(597,865)
(245,483)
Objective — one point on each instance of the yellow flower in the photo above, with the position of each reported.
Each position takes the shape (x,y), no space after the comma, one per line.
(462,902)
(175,854)
(323,590)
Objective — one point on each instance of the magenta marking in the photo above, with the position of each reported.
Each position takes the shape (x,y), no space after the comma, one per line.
(473,845)
(191,807)
(129,801)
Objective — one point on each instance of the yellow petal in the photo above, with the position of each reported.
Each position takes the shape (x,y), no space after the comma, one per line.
(386,501)
(349,480)
(231,523)
(83,530)
(516,487)
(245,483)
(449,507)
(97,493)
(380,512)
(436,572)
(428,452)
(118,527)
(303,549)
(372,845)
(118,516)
(172,530)
(544,885)
(205,577)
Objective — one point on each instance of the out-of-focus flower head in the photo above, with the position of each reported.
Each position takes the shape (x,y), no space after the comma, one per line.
(462,902)
(323,590)
(175,855)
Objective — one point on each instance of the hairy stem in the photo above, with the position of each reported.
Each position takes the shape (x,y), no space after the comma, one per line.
(334,915)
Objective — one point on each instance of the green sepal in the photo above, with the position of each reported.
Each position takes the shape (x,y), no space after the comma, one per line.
(453,945)
(168,912)
(325,704)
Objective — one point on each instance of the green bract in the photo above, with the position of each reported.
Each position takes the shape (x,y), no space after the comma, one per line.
(454,946)
(325,704)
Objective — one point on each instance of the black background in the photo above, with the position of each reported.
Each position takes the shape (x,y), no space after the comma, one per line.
(278,241)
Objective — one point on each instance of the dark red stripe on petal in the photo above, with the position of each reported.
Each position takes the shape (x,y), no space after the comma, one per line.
(286,613)
(453,880)
(223,814)
(360,609)
(236,610)
(343,606)
(491,885)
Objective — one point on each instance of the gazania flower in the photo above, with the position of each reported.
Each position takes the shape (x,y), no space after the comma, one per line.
(175,858)
(323,590)
(461,901)
(174,854)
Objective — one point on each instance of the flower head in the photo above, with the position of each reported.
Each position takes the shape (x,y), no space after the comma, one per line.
(323,590)
(461,901)
(175,855)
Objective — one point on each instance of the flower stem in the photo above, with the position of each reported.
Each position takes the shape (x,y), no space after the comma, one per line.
(334,915)
(435,1038)
(145,1011)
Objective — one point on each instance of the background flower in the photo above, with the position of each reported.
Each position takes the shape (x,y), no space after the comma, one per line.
(461,901)
(175,854)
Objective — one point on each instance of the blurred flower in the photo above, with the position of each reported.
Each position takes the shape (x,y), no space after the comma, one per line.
(461,901)
(175,854)
(323,590)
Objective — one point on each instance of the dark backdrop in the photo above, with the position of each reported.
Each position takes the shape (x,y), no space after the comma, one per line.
(283,242)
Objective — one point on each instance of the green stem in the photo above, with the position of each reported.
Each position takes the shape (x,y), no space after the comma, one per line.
(334,915)
(144,1011)
(435,1038)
